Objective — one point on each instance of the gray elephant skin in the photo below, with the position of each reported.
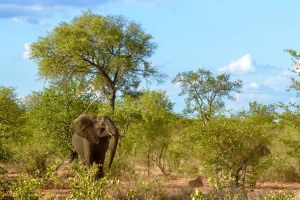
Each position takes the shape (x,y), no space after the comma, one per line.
(91,139)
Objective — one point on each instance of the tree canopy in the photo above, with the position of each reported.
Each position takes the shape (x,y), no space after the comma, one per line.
(110,53)
(205,91)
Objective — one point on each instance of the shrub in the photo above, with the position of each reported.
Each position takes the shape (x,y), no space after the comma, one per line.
(26,187)
(83,185)
(282,195)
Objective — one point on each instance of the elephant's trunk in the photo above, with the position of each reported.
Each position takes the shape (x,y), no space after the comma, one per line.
(114,144)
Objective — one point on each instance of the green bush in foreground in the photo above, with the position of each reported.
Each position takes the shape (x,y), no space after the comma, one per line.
(282,195)
(26,187)
(83,185)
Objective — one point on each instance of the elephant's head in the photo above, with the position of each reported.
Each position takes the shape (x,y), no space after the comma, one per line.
(94,127)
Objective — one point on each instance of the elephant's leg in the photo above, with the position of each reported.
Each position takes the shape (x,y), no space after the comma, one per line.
(99,156)
(99,174)
(81,146)
(87,149)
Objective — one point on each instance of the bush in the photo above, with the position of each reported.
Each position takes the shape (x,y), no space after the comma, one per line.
(83,185)
(26,187)
(224,146)
(279,196)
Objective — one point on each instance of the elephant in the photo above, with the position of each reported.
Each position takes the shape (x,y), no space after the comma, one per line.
(91,139)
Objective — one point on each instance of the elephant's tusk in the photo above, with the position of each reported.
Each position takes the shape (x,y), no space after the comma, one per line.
(120,135)
(111,134)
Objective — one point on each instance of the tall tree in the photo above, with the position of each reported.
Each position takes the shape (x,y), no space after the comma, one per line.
(205,91)
(110,53)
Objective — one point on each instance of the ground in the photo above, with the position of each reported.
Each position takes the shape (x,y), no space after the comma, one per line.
(175,187)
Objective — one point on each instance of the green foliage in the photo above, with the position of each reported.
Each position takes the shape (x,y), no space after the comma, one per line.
(205,91)
(290,119)
(145,190)
(52,111)
(51,179)
(279,196)
(152,122)
(223,145)
(110,53)
(11,122)
(4,186)
(231,193)
(83,185)
(49,116)
(198,195)
(149,118)
(26,187)
(262,113)
(180,159)
(295,81)
(285,150)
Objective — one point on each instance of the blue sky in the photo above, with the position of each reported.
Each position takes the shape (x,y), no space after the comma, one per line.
(245,38)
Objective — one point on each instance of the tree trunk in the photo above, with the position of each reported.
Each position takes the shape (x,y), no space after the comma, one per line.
(149,160)
(112,99)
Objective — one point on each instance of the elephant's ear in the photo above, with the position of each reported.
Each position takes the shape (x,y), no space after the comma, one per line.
(84,127)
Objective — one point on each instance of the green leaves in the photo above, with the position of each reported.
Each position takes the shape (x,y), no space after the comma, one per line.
(296,68)
(111,53)
(12,121)
(205,91)
(223,145)
(52,111)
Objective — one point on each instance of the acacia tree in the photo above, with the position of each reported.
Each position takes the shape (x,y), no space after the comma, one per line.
(205,91)
(110,53)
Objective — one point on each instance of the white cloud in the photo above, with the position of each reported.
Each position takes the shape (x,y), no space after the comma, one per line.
(276,83)
(26,53)
(250,97)
(288,73)
(242,65)
(253,85)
